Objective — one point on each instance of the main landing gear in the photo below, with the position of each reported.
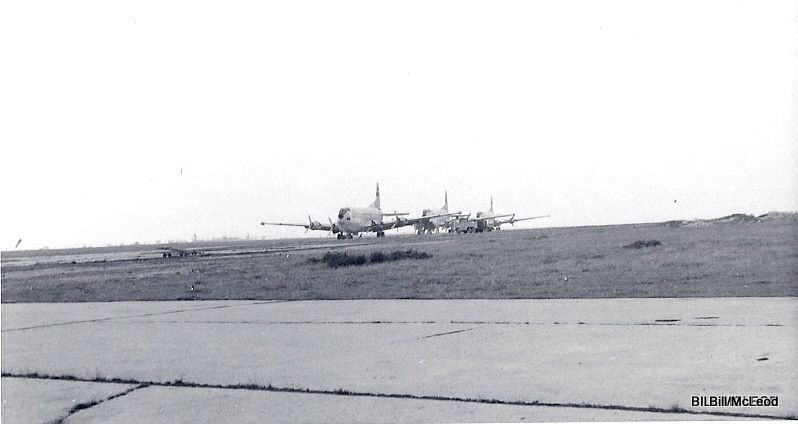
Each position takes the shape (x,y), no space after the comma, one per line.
(349,236)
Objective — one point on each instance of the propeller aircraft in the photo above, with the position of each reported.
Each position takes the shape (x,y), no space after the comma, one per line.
(354,221)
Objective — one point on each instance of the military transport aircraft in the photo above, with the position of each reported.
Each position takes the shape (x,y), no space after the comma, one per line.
(442,219)
(353,221)
(489,221)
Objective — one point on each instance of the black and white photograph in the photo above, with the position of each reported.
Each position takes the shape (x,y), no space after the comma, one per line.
(398,212)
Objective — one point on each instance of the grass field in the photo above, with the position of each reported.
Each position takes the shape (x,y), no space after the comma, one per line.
(736,259)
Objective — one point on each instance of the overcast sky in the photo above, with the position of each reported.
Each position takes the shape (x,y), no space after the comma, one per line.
(128,121)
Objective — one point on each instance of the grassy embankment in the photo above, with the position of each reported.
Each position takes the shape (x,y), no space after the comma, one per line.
(743,259)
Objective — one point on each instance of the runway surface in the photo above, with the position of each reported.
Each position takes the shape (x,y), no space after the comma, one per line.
(397,360)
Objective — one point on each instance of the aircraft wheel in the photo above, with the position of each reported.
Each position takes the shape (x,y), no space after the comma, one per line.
(339,236)
(350,236)
(164,255)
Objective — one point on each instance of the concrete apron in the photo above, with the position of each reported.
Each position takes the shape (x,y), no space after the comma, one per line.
(608,359)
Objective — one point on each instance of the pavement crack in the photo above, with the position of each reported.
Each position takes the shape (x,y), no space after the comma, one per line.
(656,323)
(445,334)
(343,392)
(311,322)
(177,311)
(90,404)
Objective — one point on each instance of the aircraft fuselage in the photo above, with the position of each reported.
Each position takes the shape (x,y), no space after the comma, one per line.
(436,222)
(355,220)
(486,224)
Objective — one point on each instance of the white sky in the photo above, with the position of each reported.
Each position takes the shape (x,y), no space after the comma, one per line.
(127,121)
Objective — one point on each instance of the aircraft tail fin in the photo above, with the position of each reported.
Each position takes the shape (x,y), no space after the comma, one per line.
(376,203)
(445,201)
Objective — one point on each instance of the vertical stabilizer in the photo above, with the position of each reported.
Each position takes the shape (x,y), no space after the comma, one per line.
(445,207)
(376,203)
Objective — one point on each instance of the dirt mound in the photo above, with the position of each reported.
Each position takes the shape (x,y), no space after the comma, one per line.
(778,216)
(736,218)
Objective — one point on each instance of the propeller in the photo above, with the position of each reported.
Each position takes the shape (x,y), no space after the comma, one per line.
(396,222)
(333,228)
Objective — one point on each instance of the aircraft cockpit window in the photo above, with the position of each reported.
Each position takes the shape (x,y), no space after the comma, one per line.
(342,212)
(426,212)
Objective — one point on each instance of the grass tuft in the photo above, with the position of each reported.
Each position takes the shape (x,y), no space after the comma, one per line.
(343,259)
(643,243)
(398,255)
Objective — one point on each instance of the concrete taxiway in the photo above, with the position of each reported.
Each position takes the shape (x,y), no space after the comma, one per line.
(397,360)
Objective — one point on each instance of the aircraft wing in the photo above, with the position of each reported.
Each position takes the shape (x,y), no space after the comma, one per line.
(398,223)
(313,225)
(484,218)
(513,220)
(395,213)
(450,214)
